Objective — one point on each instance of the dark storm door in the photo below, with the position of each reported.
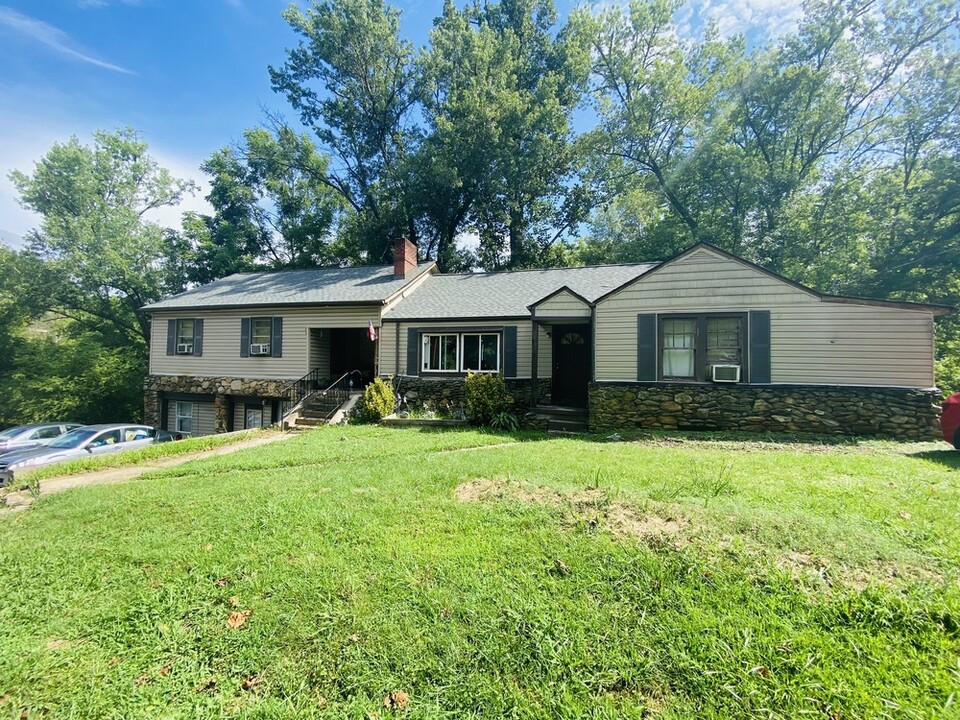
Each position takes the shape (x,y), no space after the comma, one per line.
(571,364)
(351,349)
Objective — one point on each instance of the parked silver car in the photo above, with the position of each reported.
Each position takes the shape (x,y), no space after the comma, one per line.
(82,442)
(24,437)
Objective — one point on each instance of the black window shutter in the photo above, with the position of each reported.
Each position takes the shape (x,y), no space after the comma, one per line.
(198,337)
(245,337)
(171,337)
(510,351)
(413,355)
(760,346)
(646,347)
(276,343)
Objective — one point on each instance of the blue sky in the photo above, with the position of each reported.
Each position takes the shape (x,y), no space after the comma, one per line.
(189,75)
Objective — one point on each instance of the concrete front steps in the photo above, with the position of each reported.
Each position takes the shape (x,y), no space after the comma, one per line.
(323,410)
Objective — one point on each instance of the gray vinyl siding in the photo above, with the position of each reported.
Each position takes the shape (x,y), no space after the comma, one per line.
(544,353)
(388,346)
(562,305)
(812,341)
(221,341)
(205,419)
(202,418)
(320,352)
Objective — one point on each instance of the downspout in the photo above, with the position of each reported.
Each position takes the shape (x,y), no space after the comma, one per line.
(536,361)
(396,346)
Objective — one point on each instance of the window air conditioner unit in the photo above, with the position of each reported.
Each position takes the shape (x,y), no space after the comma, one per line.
(725,373)
(184,348)
(260,349)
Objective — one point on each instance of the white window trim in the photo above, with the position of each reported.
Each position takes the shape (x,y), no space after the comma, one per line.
(184,339)
(459,369)
(178,416)
(425,355)
(252,408)
(481,335)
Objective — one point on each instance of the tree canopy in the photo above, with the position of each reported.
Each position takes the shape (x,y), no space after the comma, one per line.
(830,154)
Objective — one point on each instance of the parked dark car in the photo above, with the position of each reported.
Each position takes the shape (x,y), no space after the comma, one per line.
(24,437)
(950,420)
(82,442)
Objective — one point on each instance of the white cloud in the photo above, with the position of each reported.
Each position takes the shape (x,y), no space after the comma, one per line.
(85,4)
(52,38)
(29,133)
(769,18)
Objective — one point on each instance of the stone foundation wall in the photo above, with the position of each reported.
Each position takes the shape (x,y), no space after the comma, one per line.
(220,387)
(440,391)
(901,413)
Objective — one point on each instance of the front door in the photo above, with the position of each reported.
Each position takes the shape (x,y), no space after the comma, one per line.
(351,349)
(571,364)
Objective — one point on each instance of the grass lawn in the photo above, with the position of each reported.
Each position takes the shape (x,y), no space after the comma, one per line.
(135,457)
(372,572)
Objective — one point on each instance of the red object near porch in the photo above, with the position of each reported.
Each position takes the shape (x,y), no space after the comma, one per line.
(371,331)
(950,420)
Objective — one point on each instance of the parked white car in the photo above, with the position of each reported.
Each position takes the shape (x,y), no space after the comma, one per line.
(24,437)
(82,442)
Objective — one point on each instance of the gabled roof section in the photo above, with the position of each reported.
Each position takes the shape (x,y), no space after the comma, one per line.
(564,289)
(902,305)
(363,285)
(508,294)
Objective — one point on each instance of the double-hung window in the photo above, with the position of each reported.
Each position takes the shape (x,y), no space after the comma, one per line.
(184,417)
(690,345)
(460,352)
(261,336)
(679,354)
(185,337)
(261,330)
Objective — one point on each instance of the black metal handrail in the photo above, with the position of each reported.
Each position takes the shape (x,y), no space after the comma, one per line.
(299,390)
(313,384)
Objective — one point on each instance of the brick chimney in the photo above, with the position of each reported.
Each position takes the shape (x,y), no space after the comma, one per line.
(404,258)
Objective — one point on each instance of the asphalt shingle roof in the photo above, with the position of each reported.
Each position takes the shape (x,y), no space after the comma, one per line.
(507,294)
(292,287)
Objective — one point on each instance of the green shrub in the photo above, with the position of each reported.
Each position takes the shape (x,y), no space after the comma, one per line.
(486,396)
(505,421)
(377,402)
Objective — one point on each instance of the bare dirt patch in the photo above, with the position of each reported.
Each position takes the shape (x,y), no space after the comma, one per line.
(820,572)
(595,507)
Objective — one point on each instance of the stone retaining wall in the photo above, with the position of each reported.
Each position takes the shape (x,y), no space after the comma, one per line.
(220,387)
(448,391)
(901,413)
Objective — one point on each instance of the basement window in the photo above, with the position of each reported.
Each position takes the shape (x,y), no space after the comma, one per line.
(184,417)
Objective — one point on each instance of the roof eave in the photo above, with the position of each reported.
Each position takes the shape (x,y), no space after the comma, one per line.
(149,309)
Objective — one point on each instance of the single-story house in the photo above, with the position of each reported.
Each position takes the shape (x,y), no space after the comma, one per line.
(705,340)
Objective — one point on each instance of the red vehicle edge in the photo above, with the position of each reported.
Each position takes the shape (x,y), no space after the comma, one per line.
(950,420)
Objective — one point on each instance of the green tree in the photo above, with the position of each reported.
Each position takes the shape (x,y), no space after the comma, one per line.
(97,256)
(72,344)
(352,80)
(269,208)
(503,81)
(727,140)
